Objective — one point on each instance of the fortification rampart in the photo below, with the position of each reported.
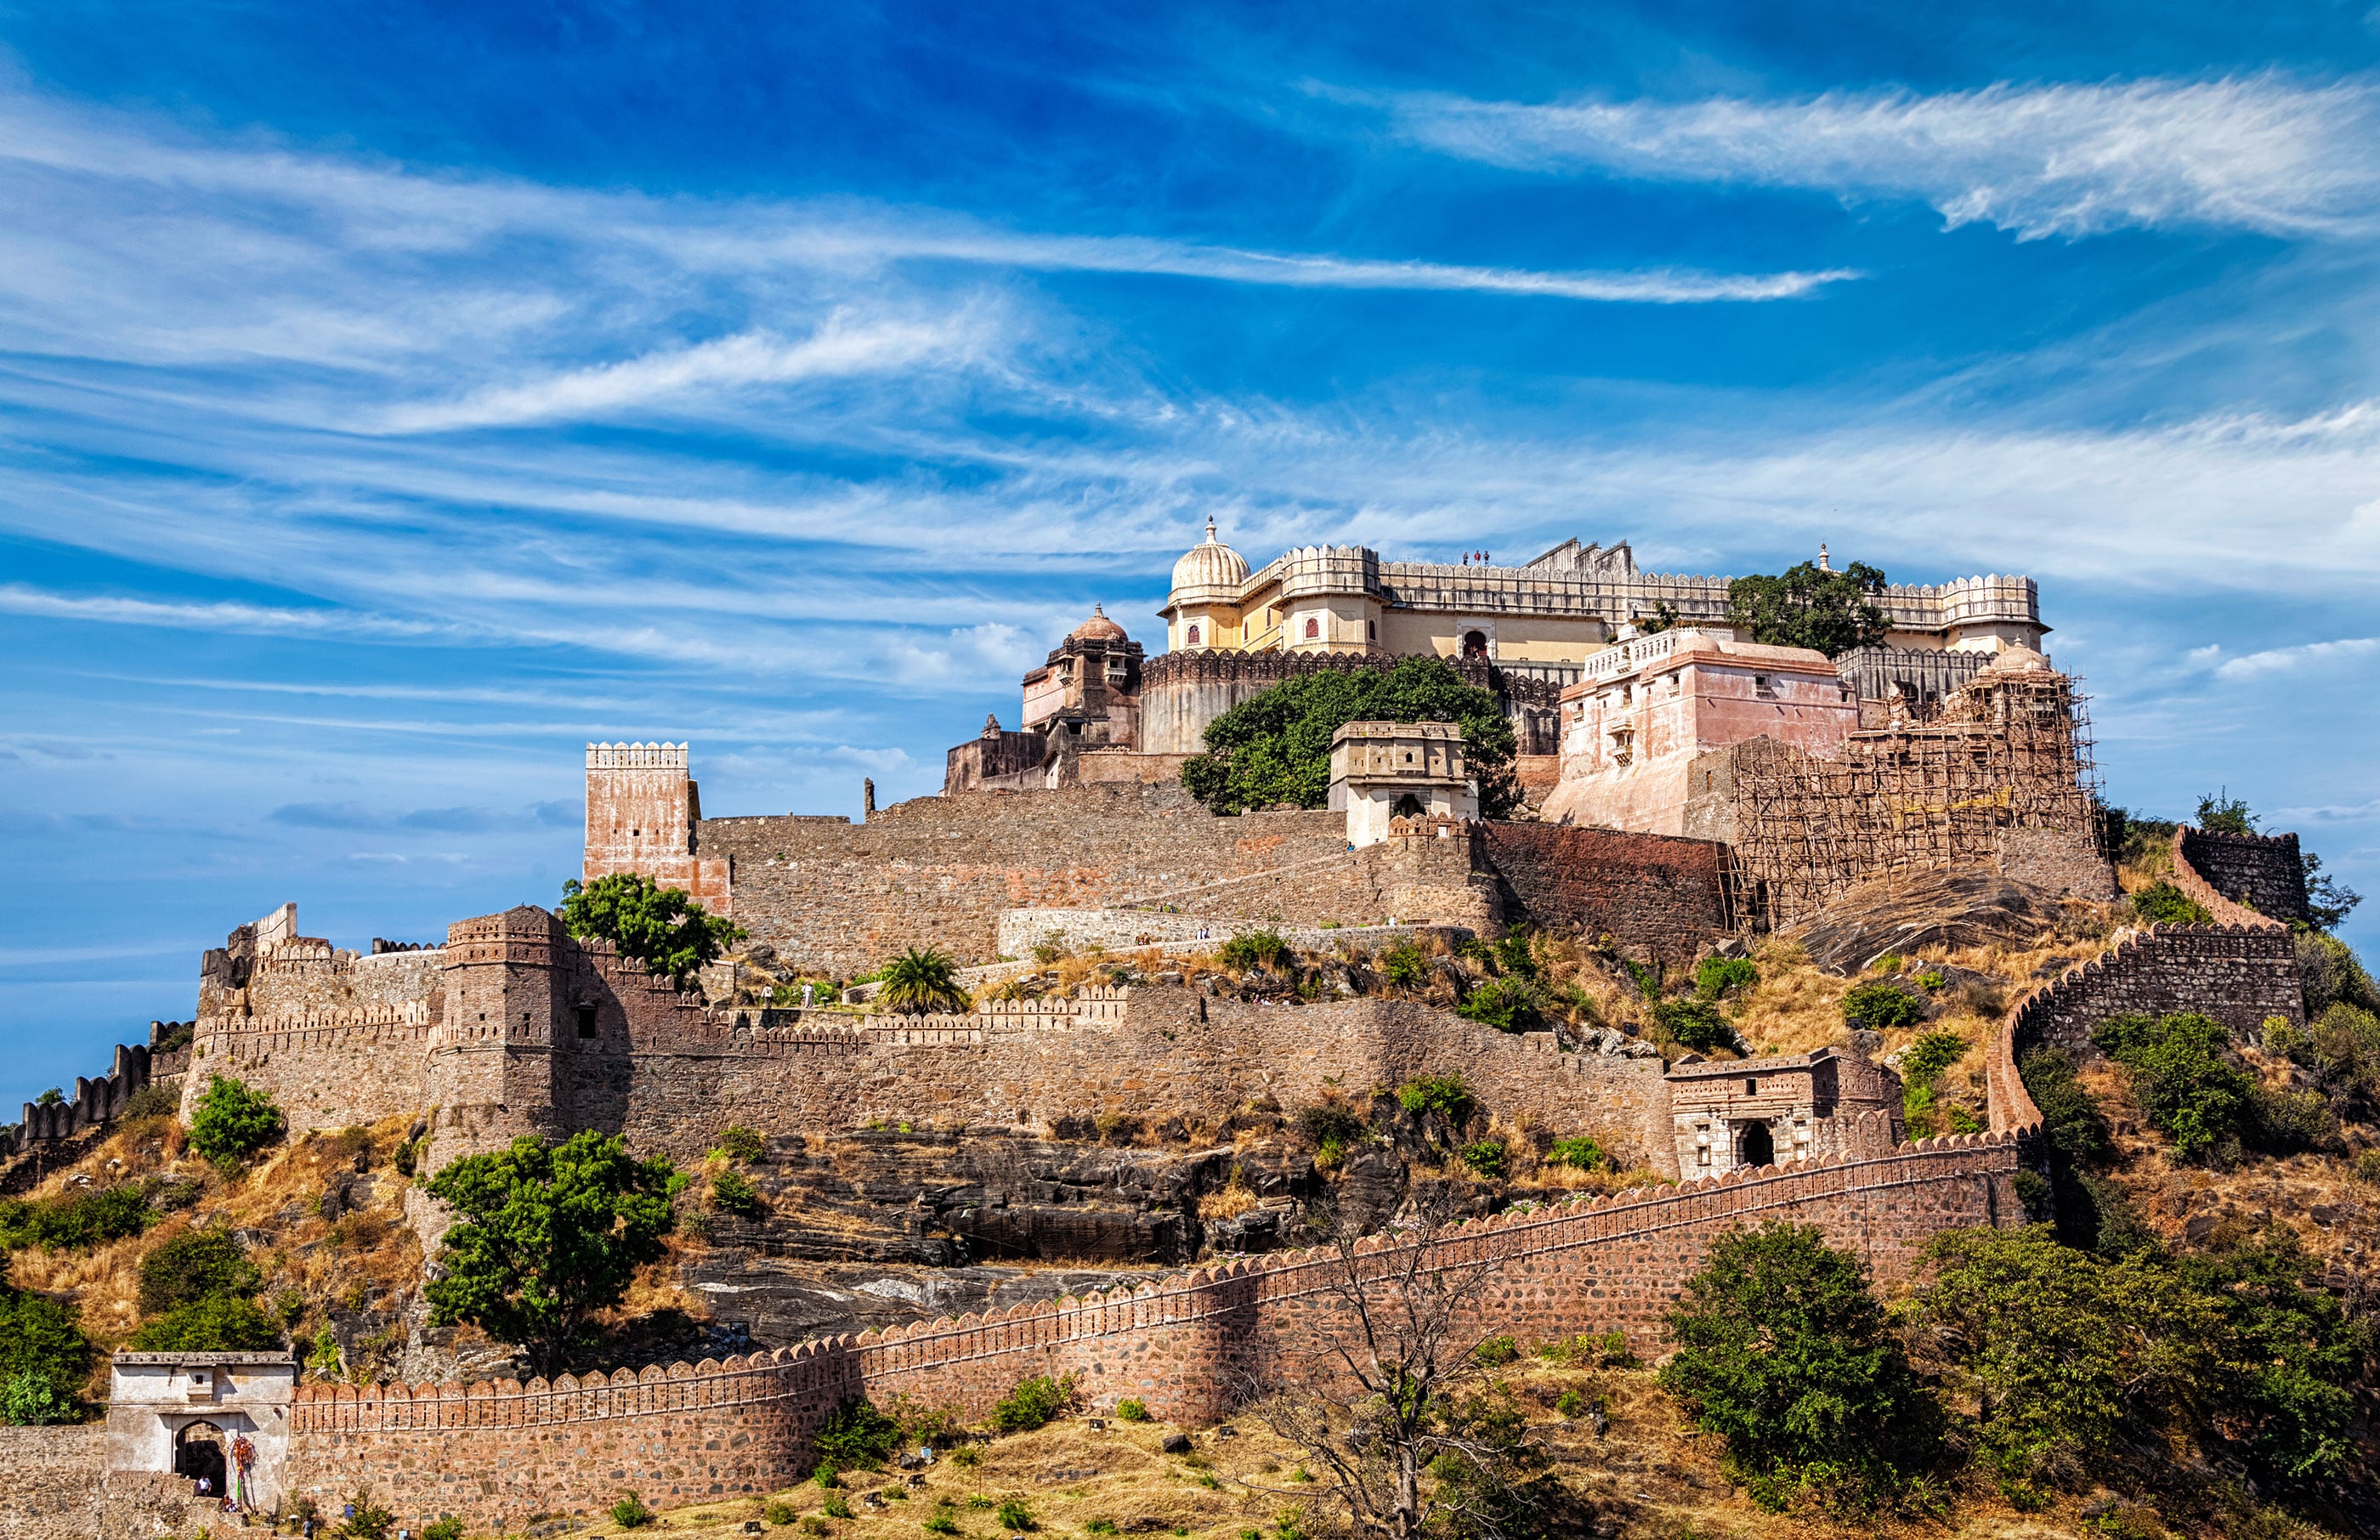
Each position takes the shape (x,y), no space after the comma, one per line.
(1188,1346)
(2241,879)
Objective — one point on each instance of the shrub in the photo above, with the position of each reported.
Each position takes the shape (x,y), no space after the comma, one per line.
(630,1512)
(1132,1411)
(2283,1122)
(920,982)
(89,1218)
(1035,1401)
(369,1520)
(1696,1024)
(41,1339)
(2163,904)
(1515,954)
(779,1512)
(2186,1083)
(662,928)
(1406,966)
(741,1143)
(1442,1096)
(816,1525)
(1931,1054)
(1487,1158)
(1784,1353)
(233,1122)
(193,1266)
(858,1435)
(446,1528)
(1329,1123)
(1255,950)
(966,1458)
(1099,1526)
(34,1401)
(941,1524)
(1717,977)
(1581,1151)
(836,1508)
(733,1192)
(1496,1351)
(1880,1007)
(154,1100)
(220,1323)
(1506,1004)
(1013,1514)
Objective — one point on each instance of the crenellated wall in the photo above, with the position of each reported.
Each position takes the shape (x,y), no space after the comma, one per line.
(494,1454)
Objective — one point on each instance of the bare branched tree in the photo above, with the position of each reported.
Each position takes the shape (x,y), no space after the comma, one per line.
(1391,1404)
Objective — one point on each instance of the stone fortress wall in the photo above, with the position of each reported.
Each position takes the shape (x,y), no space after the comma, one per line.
(2264,874)
(1186,1346)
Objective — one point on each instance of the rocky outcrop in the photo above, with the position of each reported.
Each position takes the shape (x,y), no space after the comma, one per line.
(1903,915)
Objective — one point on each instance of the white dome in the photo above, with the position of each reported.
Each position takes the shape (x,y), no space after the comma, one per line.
(1210,564)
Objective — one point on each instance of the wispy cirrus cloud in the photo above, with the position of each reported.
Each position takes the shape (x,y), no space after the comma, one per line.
(20,598)
(2259,152)
(2306,656)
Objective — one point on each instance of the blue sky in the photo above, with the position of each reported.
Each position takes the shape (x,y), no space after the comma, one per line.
(394,398)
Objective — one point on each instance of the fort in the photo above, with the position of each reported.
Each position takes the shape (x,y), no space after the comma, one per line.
(1691,789)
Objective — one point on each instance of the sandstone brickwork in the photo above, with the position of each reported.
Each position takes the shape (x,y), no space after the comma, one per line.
(1650,893)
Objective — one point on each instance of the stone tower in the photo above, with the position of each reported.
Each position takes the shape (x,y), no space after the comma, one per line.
(644,815)
(493,1072)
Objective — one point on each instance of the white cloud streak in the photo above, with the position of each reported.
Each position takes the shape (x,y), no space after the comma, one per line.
(2260,152)
(2307,656)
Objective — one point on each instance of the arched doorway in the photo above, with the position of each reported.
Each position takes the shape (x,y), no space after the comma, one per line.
(1475,644)
(198,1454)
(1759,1149)
(1408,807)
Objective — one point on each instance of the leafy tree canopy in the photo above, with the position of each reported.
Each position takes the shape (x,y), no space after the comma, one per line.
(548,1235)
(233,1122)
(1833,612)
(661,927)
(2186,1080)
(1784,1353)
(1275,746)
(44,1355)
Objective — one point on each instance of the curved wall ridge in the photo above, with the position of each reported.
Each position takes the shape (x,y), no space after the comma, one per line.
(1179,1343)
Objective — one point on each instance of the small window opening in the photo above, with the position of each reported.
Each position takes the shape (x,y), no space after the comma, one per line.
(1313,629)
(1751,1087)
(587,1020)
(1760,686)
(1194,636)
(1372,630)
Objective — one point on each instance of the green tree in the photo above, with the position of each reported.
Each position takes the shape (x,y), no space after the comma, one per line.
(2185,1079)
(857,1436)
(2290,1352)
(1275,746)
(2057,1348)
(43,1355)
(547,1235)
(233,1122)
(1783,1352)
(1695,1024)
(219,1323)
(661,927)
(2221,813)
(1506,1004)
(1833,612)
(1881,1007)
(920,983)
(2163,904)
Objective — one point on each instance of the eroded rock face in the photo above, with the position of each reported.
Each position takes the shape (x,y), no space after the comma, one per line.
(1903,915)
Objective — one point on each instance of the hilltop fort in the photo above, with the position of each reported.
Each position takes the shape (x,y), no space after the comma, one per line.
(1688,791)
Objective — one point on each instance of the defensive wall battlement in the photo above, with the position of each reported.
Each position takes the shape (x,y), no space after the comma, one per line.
(2254,879)
(1187,1346)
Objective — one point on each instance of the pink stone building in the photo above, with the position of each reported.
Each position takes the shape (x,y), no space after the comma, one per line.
(1646,708)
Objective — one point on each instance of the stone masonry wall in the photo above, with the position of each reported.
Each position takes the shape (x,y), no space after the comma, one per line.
(1647,891)
(494,1454)
(668,1076)
(324,1069)
(51,1477)
(2262,873)
(840,897)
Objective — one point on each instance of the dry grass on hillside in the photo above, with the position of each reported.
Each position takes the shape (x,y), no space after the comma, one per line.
(1645,1476)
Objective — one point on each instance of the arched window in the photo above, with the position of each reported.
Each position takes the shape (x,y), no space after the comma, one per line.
(1475,644)
(1313,628)
(1759,1149)
(1194,636)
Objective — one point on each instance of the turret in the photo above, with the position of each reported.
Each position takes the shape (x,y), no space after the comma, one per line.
(492,1071)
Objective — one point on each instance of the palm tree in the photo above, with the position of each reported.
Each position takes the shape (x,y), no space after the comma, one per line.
(918,983)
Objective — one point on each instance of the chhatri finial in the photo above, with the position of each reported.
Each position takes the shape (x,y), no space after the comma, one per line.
(1824,564)
(1211,529)
(1100,610)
